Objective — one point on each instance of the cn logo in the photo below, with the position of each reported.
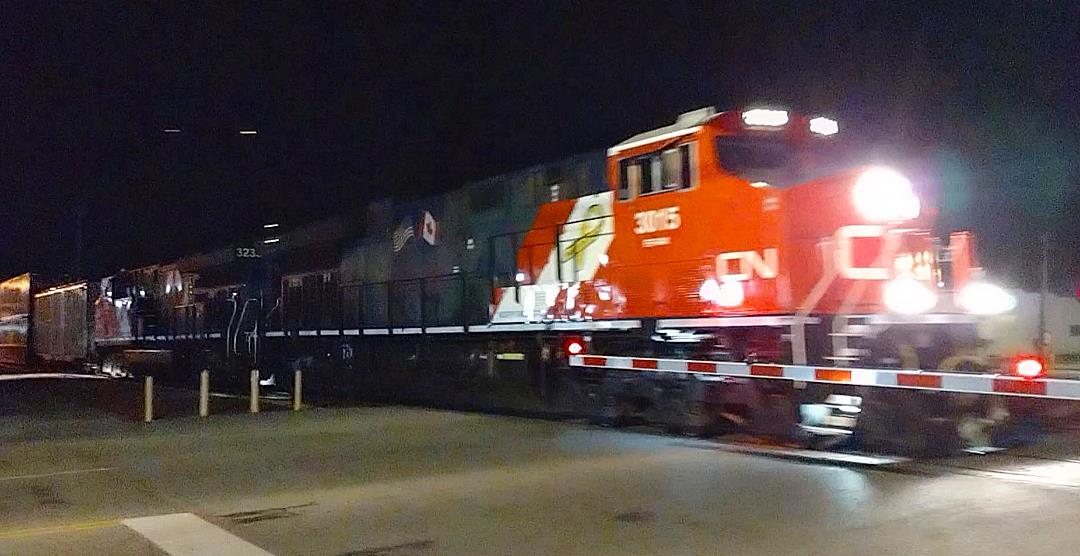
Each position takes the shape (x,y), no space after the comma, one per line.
(428,228)
(844,255)
(747,264)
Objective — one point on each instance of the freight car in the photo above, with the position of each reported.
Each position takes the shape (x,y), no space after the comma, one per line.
(44,326)
(15,328)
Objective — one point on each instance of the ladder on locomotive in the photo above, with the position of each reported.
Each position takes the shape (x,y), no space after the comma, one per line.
(844,331)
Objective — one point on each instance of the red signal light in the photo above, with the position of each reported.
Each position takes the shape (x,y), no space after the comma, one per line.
(574,346)
(1028,366)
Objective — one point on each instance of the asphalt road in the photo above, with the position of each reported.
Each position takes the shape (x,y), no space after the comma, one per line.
(399,481)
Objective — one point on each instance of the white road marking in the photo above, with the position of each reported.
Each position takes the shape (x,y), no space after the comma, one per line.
(58,473)
(189,535)
(818,456)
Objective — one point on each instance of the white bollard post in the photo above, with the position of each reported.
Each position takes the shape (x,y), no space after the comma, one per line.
(254,406)
(204,393)
(148,399)
(297,390)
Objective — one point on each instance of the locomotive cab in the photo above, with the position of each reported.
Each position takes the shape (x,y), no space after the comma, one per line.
(699,210)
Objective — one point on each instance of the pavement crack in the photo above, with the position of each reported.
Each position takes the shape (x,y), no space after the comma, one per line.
(265,514)
(47,496)
(635,516)
(414,547)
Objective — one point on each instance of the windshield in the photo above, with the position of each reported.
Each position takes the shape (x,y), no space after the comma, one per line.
(759,159)
(775,160)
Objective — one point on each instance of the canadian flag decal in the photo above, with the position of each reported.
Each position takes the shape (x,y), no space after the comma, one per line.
(428,228)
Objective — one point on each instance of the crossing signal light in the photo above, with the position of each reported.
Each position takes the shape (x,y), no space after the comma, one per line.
(1028,366)
(574,345)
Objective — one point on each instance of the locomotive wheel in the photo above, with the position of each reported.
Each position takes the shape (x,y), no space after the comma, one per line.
(915,425)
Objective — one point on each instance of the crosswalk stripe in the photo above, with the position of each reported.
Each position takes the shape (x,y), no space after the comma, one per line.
(188,535)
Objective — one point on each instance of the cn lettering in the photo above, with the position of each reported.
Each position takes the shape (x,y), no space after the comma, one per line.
(749,263)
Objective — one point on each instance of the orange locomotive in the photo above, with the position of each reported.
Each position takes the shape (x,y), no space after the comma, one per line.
(738,234)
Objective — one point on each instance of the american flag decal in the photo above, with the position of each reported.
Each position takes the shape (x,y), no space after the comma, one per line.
(401,235)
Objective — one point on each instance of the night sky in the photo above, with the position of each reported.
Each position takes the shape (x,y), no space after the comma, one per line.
(354,101)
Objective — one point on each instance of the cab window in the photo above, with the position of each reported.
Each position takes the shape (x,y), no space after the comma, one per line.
(656,172)
(777,161)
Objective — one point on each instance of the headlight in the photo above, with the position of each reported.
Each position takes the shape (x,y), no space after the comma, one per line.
(725,294)
(765,117)
(980,298)
(908,296)
(884,195)
(824,126)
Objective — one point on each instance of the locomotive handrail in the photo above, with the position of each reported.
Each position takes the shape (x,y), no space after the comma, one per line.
(236,335)
(355,283)
(421,288)
(228,329)
(549,226)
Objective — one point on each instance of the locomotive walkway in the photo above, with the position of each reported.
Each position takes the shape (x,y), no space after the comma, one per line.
(399,481)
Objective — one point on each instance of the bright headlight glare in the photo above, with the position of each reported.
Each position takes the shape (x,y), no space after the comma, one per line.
(709,290)
(981,298)
(908,296)
(824,126)
(765,117)
(732,294)
(724,294)
(884,195)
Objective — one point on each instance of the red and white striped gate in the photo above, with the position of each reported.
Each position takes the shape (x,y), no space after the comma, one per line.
(996,384)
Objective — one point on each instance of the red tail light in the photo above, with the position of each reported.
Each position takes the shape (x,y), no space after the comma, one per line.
(1028,366)
(574,346)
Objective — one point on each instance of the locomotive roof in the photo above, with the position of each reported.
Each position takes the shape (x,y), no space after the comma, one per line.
(686,121)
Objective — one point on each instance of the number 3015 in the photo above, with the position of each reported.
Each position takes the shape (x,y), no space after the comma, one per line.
(659,220)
